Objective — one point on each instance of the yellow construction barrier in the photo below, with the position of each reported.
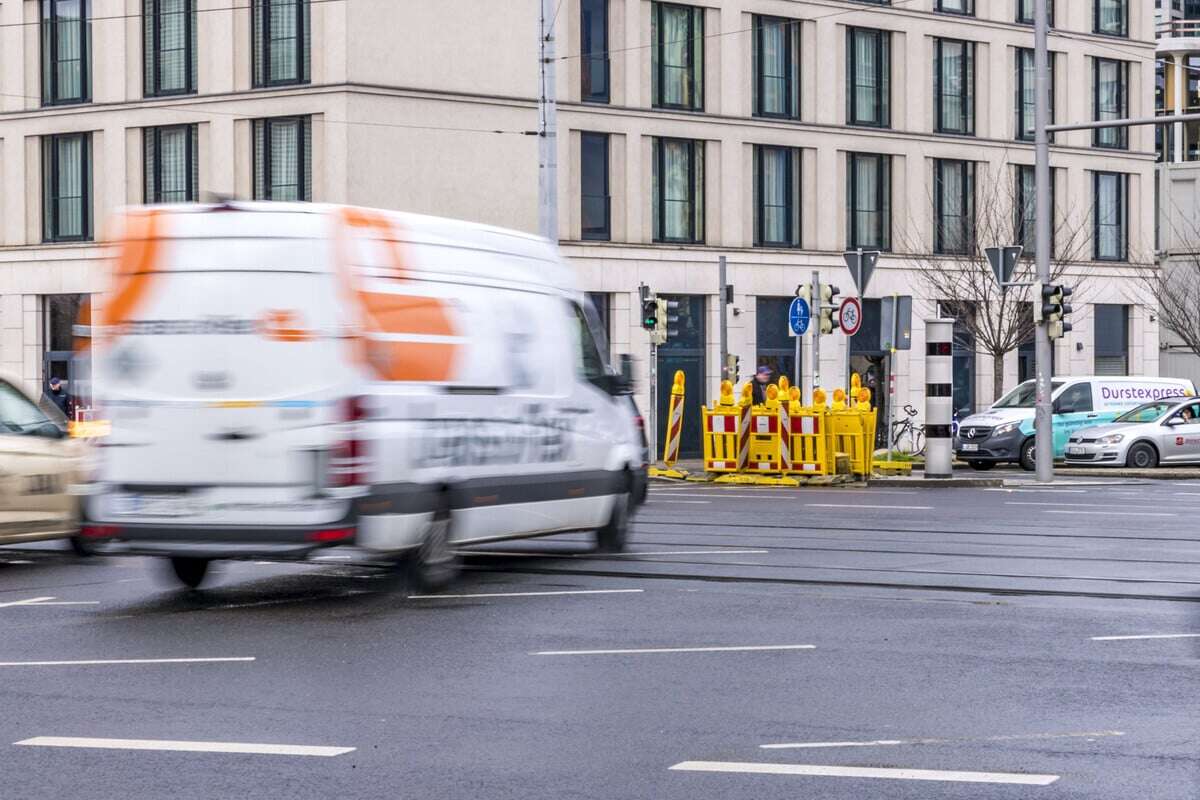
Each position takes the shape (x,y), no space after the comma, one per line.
(673,432)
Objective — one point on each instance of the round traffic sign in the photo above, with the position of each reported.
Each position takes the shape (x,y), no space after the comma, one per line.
(799,316)
(850,315)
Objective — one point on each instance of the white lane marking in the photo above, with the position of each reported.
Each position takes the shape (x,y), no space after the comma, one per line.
(1122,506)
(18,561)
(1183,494)
(1146,636)
(893,742)
(638,651)
(525,554)
(1113,513)
(66,603)
(28,602)
(1039,491)
(96,662)
(867,772)
(522,594)
(681,502)
(185,746)
(863,505)
(331,558)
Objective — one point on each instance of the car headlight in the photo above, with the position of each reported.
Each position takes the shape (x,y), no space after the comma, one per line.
(1112,438)
(1007,427)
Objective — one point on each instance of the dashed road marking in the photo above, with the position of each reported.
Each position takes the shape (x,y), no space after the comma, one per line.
(114,661)
(185,746)
(861,505)
(819,770)
(1146,636)
(894,742)
(522,594)
(27,602)
(640,651)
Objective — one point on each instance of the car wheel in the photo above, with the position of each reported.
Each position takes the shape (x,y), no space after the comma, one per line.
(190,571)
(982,466)
(434,564)
(614,536)
(1028,455)
(1142,456)
(80,547)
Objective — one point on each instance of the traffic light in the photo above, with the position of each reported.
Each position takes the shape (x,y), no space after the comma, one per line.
(733,367)
(804,291)
(663,319)
(1055,309)
(649,308)
(828,295)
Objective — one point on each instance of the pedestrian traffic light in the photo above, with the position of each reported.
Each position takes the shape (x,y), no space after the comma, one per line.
(1056,309)
(664,319)
(828,295)
(649,308)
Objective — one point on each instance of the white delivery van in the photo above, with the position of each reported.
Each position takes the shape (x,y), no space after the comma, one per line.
(1005,431)
(281,378)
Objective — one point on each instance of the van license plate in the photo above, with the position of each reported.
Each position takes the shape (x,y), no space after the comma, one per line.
(153,505)
(970,448)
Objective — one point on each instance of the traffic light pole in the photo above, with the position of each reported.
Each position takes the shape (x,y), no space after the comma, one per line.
(816,329)
(1043,412)
(652,434)
(722,283)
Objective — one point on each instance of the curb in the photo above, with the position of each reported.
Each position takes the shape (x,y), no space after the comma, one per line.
(938,483)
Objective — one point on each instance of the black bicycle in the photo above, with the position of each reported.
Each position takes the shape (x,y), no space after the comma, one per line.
(907,436)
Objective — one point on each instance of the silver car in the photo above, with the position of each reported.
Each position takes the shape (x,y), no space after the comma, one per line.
(1165,431)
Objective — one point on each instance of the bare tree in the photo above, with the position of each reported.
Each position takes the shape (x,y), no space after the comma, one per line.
(1173,285)
(959,279)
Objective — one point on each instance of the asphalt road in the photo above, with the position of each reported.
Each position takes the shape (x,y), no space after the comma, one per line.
(881,635)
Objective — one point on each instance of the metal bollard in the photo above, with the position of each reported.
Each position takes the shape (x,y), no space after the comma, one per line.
(939,397)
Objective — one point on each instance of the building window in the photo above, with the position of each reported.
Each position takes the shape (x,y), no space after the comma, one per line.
(1111,17)
(67,187)
(66,52)
(954,206)
(283,159)
(1025,205)
(679,191)
(1111,324)
(964,7)
(678,69)
(1111,216)
(282,37)
(774,347)
(593,175)
(171,169)
(868,77)
(169,47)
(1110,99)
(1026,97)
(776,67)
(954,86)
(1025,11)
(868,201)
(593,39)
(776,196)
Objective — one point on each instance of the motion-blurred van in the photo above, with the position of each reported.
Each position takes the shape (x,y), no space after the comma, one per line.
(281,378)
(1005,431)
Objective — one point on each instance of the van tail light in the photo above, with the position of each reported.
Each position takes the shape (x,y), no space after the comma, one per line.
(331,535)
(348,456)
(99,531)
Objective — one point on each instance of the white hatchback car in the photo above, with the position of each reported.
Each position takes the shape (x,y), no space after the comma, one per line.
(1164,431)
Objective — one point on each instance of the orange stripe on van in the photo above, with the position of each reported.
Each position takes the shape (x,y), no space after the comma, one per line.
(387,313)
(131,278)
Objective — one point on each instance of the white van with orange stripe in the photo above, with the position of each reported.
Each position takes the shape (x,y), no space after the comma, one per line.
(282,378)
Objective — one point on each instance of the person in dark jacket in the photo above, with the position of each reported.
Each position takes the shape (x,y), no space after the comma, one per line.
(57,395)
(762,379)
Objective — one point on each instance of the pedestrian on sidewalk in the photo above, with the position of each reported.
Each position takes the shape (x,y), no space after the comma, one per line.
(762,379)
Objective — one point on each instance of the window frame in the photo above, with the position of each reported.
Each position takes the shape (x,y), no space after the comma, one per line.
(967,178)
(1122,310)
(1122,213)
(152,180)
(695,190)
(1096,29)
(48,38)
(966,98)
(968,9)
(606,234)
(260,49)
(695,60)
(50,178)
(794,171)
(883,180)
(883,78)
(1019,231)
(263,126)
(588,57)
(1019,84)
(1122,103)
(1022,19)
(791,38)
(152,36)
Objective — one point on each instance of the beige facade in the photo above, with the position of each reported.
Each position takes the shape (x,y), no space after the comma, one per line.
(426,106)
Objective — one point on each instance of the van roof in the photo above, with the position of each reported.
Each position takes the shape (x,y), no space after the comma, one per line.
(528,259)
(1144,378)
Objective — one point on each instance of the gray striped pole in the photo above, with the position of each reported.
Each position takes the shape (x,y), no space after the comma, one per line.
(939,397)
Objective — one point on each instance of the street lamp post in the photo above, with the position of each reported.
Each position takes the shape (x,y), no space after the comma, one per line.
(1043,413)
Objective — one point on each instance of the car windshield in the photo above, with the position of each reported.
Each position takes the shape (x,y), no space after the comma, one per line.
(1146,412)
(1024,395)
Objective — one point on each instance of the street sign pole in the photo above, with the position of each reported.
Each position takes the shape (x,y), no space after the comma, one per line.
(891,415)
(1043,416)
(816,334)
(796,365)
(858,284)
(652,435)
(721,298)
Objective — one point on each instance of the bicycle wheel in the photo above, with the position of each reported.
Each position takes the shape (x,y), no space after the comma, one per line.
(919,441)
(901,436)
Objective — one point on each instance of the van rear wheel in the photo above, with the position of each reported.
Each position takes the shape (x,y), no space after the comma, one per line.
(434,564)
(614,536)
(190,571)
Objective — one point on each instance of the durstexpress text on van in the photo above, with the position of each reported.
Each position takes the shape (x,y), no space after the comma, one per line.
(476,442)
